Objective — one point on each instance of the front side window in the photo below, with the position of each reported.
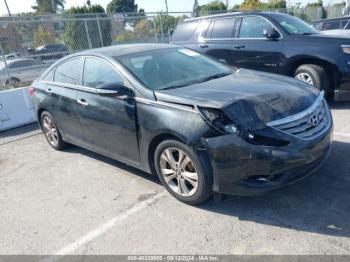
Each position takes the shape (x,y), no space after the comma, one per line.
(222,28)
(173,68)
(98,73)
(68,72)
(253,27)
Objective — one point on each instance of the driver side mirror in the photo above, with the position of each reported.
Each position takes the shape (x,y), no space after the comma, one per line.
(271,33)
(114,89)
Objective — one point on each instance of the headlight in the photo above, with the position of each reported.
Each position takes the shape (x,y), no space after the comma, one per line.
(346,49)
(220,122)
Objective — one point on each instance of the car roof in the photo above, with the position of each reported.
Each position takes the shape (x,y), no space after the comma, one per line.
(331,19)
(120,50)
(232,14)
(19,59)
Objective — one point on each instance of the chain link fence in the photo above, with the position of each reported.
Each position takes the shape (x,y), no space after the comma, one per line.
(30,44)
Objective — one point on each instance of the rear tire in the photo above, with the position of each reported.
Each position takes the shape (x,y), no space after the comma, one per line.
(51,132)
(314,75)
(181,172)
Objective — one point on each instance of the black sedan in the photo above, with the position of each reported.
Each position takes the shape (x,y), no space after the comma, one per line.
(197,123)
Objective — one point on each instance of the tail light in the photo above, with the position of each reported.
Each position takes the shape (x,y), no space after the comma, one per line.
(31,91)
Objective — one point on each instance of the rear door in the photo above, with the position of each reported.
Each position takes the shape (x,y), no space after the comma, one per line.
(218,38)
(61,88)
(253,50)
(109,122)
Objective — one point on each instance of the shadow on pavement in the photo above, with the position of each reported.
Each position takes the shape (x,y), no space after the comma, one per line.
(135,171)
(318,204)
(339,105)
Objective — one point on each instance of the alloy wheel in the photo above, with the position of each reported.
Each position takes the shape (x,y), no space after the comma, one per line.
(305,77)
(178,171)
(50,130)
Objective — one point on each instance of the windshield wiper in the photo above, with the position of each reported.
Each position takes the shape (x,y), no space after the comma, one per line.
(214,77)
(198,81)
(306,33)
(174,87)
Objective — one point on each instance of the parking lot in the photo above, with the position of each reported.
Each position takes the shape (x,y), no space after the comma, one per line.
(77,202)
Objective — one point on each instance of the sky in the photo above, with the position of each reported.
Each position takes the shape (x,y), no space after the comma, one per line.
(17,6)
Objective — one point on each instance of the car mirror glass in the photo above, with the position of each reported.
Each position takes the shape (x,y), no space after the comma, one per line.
(271,33)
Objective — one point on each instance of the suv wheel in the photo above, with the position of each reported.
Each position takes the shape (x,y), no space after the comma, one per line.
(181,172)
(52,134)
(314,75)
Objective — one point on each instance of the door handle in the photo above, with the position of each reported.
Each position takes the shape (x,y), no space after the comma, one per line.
(82,102)
(239,46)
(49,90)
(203,46)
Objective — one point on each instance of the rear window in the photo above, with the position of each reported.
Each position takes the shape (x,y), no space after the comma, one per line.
(185,31)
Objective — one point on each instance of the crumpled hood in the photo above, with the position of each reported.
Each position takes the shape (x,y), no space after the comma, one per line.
(249,98)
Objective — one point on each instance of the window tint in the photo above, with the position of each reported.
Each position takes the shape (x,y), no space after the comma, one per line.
(21,64)
(317,25)
(345,24)
(172,67)
(68,72)
(185,31)
(329,25)
(253,27)
(98,72)
(222,28)
(49,76)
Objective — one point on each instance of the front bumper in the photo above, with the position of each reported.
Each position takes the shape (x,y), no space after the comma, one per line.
(244,169)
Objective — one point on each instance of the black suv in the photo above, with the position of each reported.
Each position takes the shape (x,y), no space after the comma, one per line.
(272,42)
(50,51)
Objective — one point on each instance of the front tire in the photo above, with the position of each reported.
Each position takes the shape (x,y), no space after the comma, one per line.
(314,75)
(181,172)
(51,132)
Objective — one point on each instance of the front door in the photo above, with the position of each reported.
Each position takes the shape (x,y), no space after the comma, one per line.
(253,50)
(109,122)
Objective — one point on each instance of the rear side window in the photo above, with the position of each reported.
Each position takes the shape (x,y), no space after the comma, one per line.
(68,72)
(185,31)
(98,72)
(253,27)
(329,25)
(221,28)
(49,76)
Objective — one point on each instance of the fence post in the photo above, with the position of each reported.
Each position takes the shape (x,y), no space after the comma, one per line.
(99,29)
(6,67)
(161,28)
(87,34)
(155,30)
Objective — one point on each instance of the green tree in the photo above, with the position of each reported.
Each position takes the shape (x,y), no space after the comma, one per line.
(48,6)
(43,36)
(212,7)
(122,6)
(165,23)
(77,37)
(250,5)
(318,8)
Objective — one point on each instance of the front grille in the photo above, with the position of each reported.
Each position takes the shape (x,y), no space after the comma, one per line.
(306,124)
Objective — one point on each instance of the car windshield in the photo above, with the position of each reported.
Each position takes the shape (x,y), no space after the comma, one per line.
(294,25)
(173,68)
